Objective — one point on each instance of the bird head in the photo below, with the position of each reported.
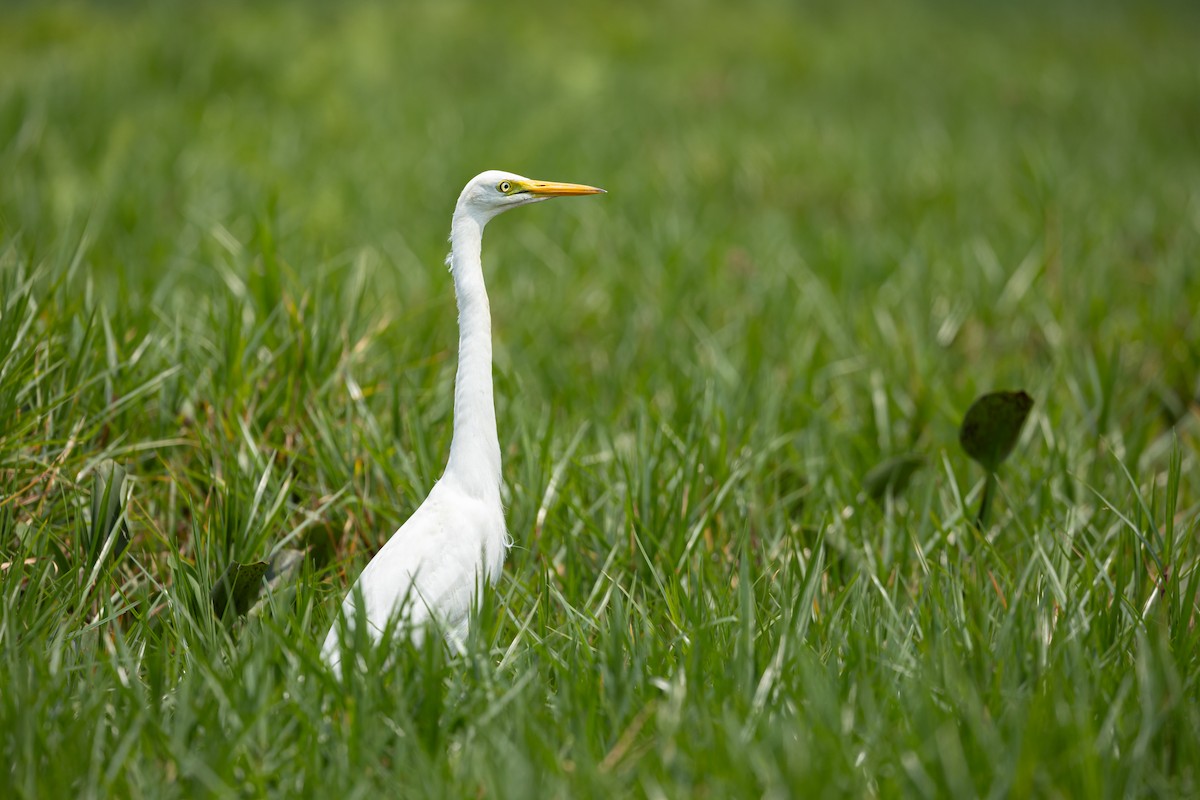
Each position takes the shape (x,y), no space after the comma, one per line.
(494,192)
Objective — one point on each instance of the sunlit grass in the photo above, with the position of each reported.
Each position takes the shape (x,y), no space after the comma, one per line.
(827,231)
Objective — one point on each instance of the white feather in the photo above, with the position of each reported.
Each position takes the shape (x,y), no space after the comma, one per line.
(433,568)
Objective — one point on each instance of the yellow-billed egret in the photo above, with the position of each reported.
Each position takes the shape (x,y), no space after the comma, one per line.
(454,545)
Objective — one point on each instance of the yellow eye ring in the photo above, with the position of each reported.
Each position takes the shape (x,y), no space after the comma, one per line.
(505,187)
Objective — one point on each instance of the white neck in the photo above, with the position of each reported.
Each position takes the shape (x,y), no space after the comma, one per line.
(475,449)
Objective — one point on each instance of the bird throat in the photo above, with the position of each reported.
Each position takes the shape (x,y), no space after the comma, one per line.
(474,460)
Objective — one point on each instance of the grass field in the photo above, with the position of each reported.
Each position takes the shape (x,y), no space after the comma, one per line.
(828,230)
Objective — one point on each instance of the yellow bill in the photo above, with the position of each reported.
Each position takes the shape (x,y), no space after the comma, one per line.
(555,189)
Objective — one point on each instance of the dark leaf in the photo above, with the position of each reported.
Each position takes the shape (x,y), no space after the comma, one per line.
(238,587)
(991,427)
(891,476)
(285,566)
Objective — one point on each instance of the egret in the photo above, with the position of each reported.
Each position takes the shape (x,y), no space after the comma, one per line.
(433,567)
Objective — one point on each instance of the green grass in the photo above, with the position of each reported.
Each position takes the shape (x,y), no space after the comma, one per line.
(828,230)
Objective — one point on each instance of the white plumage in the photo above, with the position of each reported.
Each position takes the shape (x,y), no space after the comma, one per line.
(454,544)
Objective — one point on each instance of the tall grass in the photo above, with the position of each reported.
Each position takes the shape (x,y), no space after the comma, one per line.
(828,230)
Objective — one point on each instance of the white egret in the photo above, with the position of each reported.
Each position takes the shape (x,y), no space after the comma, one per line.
(454,544)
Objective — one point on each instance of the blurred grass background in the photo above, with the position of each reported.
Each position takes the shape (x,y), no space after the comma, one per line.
(829,227)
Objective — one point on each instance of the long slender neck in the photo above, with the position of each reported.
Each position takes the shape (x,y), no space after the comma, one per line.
(475,449)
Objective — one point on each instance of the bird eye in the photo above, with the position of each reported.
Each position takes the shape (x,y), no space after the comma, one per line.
(505,187)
